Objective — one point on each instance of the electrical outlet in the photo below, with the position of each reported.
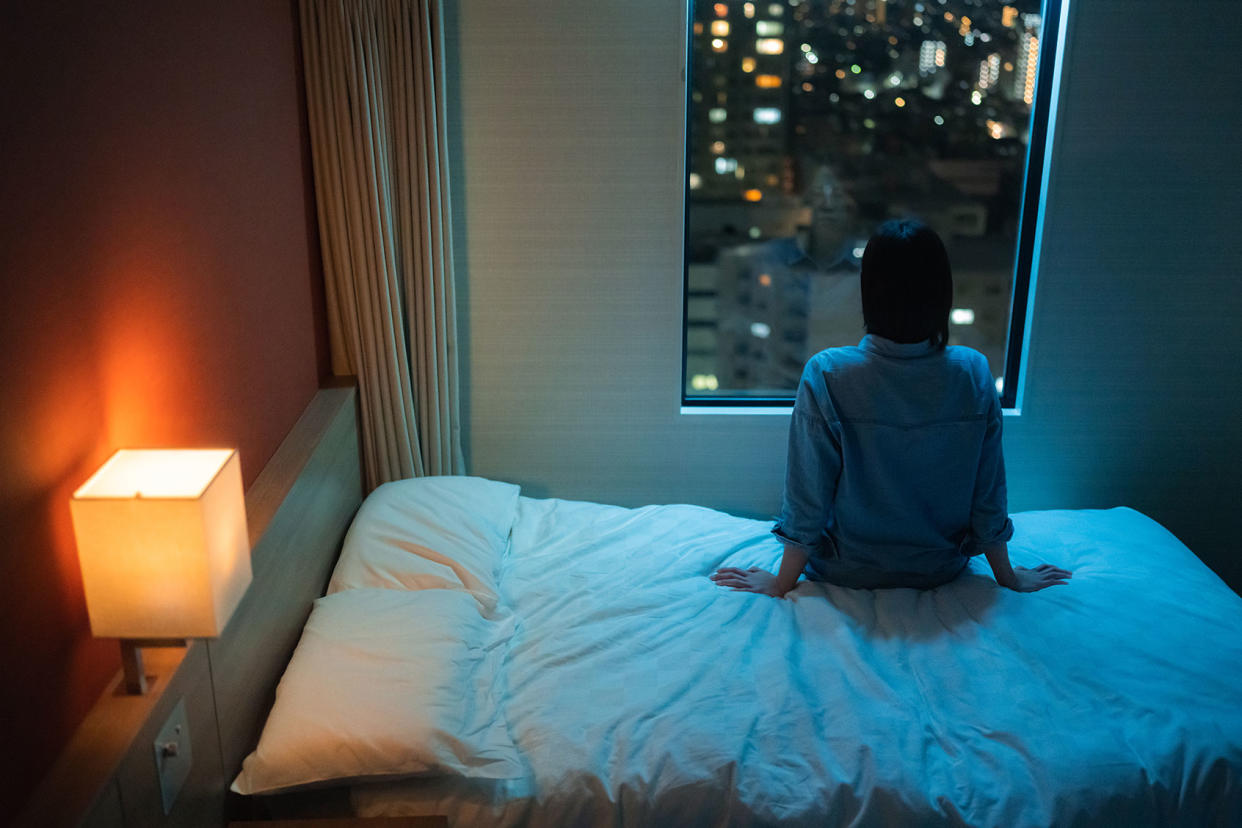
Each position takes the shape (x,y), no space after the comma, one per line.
(173,755)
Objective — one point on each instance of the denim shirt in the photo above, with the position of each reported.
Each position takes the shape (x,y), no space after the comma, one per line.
(895,473)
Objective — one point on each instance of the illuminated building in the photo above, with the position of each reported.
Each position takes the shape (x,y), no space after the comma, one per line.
(739,77)
(989,71)
(1027,61)
(931,56)
(762,302)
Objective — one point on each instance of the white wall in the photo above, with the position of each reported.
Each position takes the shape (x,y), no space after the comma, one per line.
(567,123)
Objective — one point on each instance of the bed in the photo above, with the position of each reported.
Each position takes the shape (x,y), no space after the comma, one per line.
(506,660)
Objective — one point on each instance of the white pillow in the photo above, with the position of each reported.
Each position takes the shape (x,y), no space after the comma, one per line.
(430,532)
(387,684)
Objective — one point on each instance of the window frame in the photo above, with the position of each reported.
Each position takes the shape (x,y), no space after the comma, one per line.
(1030,225)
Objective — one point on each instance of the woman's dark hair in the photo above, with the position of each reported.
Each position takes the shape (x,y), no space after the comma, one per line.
(907,285)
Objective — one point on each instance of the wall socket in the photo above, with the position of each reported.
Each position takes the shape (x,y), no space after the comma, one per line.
(173,755)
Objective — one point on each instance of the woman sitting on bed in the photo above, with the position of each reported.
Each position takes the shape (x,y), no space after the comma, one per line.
(895,475)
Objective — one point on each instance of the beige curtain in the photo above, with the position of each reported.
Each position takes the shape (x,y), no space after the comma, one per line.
(375,96)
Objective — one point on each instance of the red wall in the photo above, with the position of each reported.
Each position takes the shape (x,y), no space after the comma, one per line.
(160,285)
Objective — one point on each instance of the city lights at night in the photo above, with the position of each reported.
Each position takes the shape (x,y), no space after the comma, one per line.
(837,115)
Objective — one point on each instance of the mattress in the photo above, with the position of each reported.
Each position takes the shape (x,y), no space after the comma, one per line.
(639,693)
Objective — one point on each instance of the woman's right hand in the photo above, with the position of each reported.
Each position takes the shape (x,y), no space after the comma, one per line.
(1042,576)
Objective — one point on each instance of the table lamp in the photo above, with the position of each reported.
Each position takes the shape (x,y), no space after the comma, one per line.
(163,547)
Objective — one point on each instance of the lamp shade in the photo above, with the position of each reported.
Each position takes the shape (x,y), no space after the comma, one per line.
(162,542)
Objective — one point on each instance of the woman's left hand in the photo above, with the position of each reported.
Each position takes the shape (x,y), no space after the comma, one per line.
(748,580)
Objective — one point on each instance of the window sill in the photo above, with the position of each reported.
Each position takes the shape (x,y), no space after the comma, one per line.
(751,410)
(774,410)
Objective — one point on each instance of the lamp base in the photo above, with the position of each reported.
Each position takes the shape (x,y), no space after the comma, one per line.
(135,681)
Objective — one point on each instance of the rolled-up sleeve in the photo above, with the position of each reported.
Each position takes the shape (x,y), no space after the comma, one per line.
(989,517)
(811,473)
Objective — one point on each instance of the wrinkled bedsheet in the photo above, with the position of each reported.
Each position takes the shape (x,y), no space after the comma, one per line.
(640,693)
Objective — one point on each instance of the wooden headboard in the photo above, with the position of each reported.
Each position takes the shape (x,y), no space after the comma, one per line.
(298,511)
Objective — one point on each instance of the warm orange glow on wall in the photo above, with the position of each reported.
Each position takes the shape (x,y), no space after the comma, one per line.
(767,81)
(141,368)
(752,195)
(163,287)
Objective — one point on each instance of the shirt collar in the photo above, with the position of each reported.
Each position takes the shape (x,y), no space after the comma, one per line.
(900,350)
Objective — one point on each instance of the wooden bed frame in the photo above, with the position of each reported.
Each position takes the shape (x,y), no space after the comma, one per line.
(298,510)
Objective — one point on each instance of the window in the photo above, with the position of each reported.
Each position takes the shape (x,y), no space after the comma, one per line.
(841,114)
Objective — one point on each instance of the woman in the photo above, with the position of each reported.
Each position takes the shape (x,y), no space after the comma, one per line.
(895,475)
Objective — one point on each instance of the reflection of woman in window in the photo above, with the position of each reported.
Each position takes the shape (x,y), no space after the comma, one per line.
(895,474)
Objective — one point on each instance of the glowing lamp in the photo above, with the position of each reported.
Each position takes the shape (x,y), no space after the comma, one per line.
(163,546)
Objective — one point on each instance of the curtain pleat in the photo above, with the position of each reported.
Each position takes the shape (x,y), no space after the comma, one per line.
(374,88)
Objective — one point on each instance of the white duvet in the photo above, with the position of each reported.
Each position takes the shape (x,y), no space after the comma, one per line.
(639,693)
